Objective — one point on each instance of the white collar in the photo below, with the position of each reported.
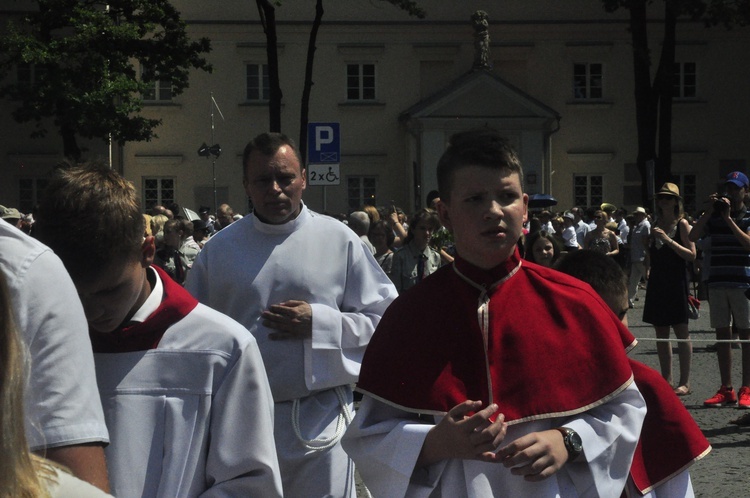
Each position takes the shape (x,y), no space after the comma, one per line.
(153,300)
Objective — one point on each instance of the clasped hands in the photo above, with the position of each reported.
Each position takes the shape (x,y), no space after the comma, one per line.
(290,320)
(535,456)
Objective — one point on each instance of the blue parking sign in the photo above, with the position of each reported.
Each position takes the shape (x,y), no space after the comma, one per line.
(323,143)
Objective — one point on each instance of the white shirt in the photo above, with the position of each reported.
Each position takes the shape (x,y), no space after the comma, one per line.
(62,403)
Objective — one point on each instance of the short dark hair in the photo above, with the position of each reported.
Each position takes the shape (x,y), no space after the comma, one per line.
(424,214)
(601,272)
(91,217)
(478,147)
(267,144)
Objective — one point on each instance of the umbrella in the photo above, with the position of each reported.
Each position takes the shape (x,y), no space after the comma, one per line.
(541,201)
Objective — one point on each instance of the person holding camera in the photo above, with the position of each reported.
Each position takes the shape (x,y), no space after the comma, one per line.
(726,228)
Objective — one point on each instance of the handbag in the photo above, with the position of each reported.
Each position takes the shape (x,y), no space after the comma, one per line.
(694,307)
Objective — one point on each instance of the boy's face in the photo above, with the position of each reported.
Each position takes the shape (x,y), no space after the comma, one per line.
(486,212)
(118,292)
(618,305)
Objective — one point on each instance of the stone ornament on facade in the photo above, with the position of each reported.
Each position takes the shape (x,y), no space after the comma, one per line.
(480,23)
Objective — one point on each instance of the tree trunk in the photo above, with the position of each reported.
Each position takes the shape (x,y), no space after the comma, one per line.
(305,108)
(645,97)
(70,144)
(268,18)
(664,86)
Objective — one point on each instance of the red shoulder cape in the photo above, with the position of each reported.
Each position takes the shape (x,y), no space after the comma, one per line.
(553,349)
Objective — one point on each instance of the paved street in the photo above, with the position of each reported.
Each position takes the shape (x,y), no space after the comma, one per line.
(725,472)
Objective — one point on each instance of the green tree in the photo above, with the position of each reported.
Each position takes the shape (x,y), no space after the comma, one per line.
(86,56)
(267,12)
(653,97)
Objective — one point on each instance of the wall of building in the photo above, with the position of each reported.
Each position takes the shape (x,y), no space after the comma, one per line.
(534,47)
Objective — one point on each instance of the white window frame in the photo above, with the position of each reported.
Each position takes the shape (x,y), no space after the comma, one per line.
(589,86)
(594,194)
(30,190)
(160,91)
(358,194)
(261,90)
(359,83)
(688,183)
(684,88)
(164,193)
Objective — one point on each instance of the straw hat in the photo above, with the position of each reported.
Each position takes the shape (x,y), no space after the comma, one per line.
(669,189)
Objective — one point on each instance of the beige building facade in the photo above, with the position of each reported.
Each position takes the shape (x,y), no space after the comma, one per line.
(559,85)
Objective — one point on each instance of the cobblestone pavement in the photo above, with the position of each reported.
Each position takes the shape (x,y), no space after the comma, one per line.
(725,471)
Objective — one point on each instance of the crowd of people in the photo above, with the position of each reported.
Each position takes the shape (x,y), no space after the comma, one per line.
(221,350)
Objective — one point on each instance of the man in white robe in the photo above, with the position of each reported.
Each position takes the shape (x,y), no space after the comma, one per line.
(311,294)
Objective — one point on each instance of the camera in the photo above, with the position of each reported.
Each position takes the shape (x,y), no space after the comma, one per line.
(720,206)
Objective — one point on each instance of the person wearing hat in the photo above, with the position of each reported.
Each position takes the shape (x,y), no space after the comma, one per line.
(667,292)
(570,241)
(11,215)
(205,213)
(609,209)
(638,242)
(725,227)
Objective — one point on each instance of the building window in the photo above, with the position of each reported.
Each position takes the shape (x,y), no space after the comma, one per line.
(685,80)
(588,81)
(588,190)
(361,190)
(688,189)
(158,191)
(29,193)
(256,82)
(160,90)
(360,81)
(29,74)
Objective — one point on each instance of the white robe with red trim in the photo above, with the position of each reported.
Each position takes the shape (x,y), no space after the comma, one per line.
(546,360)
(193,416)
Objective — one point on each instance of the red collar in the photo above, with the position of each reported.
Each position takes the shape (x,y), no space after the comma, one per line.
(141,336)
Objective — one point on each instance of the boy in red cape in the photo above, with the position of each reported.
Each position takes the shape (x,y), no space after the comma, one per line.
(495,377)
(184,390)
(670,440)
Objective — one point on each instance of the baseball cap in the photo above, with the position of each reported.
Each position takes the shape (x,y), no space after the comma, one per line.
(738,178)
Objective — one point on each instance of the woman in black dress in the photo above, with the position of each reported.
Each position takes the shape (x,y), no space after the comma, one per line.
(667,290)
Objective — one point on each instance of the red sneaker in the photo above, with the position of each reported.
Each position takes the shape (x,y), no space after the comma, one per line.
(725,396)
(744,397)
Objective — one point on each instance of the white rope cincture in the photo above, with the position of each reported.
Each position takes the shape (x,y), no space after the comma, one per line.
(343,419)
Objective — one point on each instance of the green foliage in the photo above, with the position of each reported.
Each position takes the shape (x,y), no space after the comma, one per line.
(410,7)
(86,59)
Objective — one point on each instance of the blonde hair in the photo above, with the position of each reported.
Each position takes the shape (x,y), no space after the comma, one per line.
(157,223)
(148,221)
(372,212)
(18,467)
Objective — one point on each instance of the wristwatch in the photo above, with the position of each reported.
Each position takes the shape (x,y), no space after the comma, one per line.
(572,441)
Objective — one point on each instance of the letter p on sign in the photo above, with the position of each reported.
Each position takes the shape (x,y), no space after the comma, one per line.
(324,143)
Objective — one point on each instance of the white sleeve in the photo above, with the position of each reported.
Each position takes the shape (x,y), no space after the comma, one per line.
(341,334)
(63,407)
(384,444)
(610,434)
(242,458)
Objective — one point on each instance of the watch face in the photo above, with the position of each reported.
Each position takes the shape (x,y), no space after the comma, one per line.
(575,442)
